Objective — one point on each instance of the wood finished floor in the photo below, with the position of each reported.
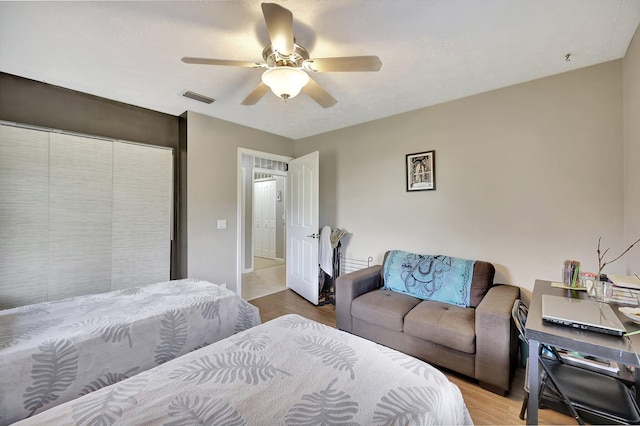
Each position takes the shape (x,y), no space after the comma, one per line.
(485,407)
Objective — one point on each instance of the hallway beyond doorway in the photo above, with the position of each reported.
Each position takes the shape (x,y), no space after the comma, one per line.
(264,263)
(268,276)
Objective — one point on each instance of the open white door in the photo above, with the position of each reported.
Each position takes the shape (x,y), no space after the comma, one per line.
(303,226)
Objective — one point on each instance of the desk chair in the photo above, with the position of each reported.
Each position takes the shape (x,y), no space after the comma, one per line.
(585,394)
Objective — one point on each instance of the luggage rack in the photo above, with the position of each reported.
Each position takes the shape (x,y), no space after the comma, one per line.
(351,265)
(340,265)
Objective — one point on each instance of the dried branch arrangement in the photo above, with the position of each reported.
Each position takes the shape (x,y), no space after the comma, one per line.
(602,263)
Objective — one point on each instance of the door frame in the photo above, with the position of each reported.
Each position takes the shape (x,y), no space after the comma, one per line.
(240,205)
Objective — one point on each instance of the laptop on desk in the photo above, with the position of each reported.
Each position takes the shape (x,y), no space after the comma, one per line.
(582,314)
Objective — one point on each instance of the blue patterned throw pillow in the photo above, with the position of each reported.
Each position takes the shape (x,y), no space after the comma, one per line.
(441,278)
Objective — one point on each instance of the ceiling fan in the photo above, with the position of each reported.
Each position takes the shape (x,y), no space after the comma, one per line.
(287,64)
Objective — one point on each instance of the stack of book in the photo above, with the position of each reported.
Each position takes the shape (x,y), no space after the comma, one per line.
(592,363)
(626,289)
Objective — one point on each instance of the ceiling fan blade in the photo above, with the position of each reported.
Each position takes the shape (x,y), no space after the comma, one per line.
(207,61)
(280,27)
(318,94)
(344,64)
(257,94)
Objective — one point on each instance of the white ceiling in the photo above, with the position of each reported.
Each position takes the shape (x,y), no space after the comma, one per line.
(432,51)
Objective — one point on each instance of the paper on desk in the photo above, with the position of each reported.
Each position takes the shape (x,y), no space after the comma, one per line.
(562,285)
(625,281)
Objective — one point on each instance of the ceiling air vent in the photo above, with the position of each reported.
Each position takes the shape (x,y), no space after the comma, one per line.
(198,97)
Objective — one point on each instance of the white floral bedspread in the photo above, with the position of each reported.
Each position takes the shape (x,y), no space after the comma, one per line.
(56,351)
(288,371)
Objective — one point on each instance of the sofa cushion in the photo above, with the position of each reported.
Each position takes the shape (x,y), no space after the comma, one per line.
(444,324)
(383,308)
(442,278)
(483,273)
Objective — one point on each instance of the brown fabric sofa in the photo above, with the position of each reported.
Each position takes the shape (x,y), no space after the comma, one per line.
(479,341)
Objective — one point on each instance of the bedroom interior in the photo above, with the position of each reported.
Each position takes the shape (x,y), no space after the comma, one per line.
(536,151)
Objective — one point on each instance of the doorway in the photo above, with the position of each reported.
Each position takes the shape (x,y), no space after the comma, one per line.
(262,267)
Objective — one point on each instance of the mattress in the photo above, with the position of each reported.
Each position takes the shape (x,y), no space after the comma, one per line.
(290,370)
(57,351)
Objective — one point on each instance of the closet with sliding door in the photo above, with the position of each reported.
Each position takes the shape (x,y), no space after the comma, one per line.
(80,215)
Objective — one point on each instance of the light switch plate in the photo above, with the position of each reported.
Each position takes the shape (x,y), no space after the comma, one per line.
(222,223)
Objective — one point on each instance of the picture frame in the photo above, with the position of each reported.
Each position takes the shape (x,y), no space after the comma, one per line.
(421,171)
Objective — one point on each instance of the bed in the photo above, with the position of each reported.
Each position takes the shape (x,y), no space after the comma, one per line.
(56,351)
(290,370)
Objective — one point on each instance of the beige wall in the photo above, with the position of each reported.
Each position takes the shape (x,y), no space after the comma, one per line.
(631,78)
(527,176)
(212,156)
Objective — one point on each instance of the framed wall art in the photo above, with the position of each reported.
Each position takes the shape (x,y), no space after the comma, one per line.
(421,171)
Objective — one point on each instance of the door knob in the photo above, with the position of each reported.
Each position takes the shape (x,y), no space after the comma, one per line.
(313,236)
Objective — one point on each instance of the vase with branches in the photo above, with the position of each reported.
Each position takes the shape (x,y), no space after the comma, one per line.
(602,263)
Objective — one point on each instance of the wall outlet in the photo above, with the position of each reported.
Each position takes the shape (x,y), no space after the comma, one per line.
(222,223)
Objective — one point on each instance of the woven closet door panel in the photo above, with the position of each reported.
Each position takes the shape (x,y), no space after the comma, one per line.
(142,185)
(24,210)
(80,199)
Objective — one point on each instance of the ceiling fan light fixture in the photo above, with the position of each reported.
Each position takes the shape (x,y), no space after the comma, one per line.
(285,82)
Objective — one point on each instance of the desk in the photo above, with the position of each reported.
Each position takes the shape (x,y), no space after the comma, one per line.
(538,331)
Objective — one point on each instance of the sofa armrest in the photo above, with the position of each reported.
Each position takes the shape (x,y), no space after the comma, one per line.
(496,337)
(350,286)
